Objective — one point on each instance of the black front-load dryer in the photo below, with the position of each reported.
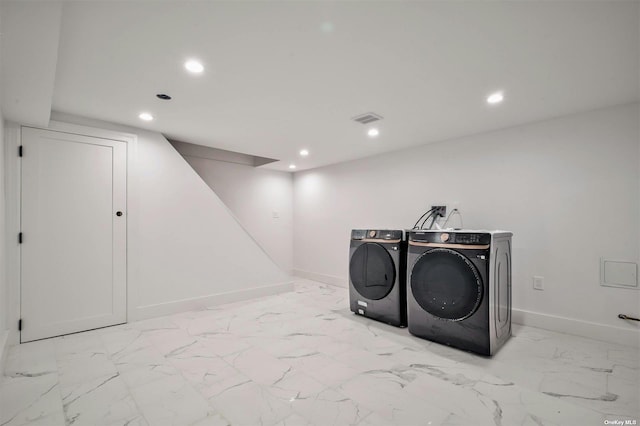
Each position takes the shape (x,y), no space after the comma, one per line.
(377,265)
(459,288)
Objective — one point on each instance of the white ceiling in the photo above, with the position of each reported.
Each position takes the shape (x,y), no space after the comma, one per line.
(281,76)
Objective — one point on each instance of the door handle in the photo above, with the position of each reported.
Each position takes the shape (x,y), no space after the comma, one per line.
(118,213)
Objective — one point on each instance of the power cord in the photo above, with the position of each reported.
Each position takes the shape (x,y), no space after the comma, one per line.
(418,221)
(628,318)
(456,211)
(433,214)
(434,217)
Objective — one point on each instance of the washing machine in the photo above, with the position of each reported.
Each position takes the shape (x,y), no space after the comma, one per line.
(459,288)
(377,268)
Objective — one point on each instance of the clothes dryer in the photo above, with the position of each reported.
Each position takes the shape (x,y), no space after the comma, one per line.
(459,288)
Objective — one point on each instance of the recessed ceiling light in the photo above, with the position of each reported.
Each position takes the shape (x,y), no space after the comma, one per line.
(495,98)
(292,166)
(304,152)
(373,132)
(327,27)
(145,116)
(194,66)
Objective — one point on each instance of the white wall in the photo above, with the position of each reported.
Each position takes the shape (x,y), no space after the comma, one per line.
(29,59)
(3,269)
(185,249)
(4,304)
(253,195)
(189,244)
(568,188)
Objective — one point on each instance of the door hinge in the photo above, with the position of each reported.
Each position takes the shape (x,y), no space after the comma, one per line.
(20,238)
(20,324)
(20,151)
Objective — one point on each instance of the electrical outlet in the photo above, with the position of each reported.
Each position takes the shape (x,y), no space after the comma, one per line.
(538,283)
(440,211)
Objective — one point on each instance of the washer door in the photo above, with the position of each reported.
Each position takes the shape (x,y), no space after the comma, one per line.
(372,271)
(446,284)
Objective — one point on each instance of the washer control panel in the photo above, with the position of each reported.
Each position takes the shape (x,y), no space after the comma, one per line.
(377,234)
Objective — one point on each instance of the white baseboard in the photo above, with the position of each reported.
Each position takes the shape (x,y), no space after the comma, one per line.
(629,336)
(4,349)
(326,279)
(169,308)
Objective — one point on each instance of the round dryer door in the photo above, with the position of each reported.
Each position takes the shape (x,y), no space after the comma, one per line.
(372,271)
(446,284)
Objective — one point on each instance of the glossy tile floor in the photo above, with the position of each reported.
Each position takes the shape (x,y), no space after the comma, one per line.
(302,358)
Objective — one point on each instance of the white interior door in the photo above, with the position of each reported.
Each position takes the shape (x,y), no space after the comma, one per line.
(73,238)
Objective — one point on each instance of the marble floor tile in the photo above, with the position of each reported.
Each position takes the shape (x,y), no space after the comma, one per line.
(250,404)
(138,362)
(259,366)
(330,407)
(79,346)
(302,358)
(139,375)
(212,420)
(224,380)
(295,387)
(31,400)
(82,370)
(173,401)
(121,341)
(363,360)
(31,359)
(294,419)
(329,371)
(102,401)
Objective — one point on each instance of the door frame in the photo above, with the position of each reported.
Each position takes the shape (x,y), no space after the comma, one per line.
(13,188)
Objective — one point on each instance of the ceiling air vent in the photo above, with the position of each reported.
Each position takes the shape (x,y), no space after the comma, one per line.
(367,118)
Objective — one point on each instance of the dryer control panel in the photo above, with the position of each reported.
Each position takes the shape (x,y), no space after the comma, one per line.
(450,237)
